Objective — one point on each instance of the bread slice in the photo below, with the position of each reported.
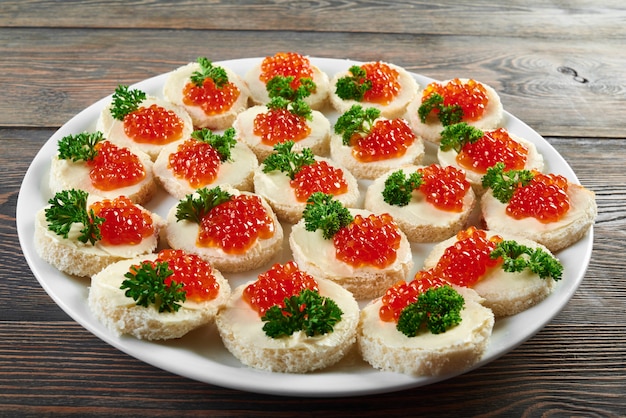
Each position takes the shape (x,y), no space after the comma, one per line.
(276,189)
(237,172)
(316,256)
(71,256)
(431,130)
(183,235)
(122,316)
(317,140)
(554,235)
(395,109)
(173,91)
(240,328)
(427,354)
(420,220)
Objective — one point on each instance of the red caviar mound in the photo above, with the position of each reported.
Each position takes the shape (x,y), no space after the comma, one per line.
(195,274)
(444,187)
(124,223)
(318,177)
(385,84)
(212,99)
(196,162)
(544,198)
(114,167)
(471,96)
(153,125)
(286,64)
(494,147)
(280,125)
(388,138)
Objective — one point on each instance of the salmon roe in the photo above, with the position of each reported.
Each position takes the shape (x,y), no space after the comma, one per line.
(212,99)
(114,167)
(124,222)
(235,225)
(368,241)
(385,84)
(195,161)
(286,64)
(388,138)
(318,177)
(279,282)
(153,125)
(195,274)
(495,146)
(280,125)
(469,258)
(402,294)
(444,187)
(544,198)
(470,95)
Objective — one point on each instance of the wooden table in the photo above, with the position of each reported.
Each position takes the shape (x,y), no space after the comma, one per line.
(557,66)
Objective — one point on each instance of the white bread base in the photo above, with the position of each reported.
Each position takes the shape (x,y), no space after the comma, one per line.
(242,332)
(121,315)
(426,354)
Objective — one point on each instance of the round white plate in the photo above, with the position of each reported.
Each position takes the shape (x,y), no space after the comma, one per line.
(200,355)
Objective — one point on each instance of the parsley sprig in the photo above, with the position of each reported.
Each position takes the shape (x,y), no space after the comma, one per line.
(68,207)
(81,147)
(356,120)
(518,257)
(285,160)
(223,144)
(504,183)
(456,136)
(126,101)
(145,284)
(325,213)
(354,86)
(283,96)
(436,310)
(307,311)
(448,114)
(208,70)
(399,187)
(196,205)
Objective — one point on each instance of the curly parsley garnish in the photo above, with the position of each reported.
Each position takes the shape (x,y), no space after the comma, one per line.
(356,121)
(399,187)
(285,160)
(68,207)
(307,311)
(223,144)
(126,101)
(81,147)
(353,87)
(456,136)
(518,257)
(196,205)
(208,70)
(283,96)
(436,310)
(325,213)
(146,285)
(448,115)
(504,183)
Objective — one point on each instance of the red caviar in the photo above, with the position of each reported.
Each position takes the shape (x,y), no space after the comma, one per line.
(153,125)
(279,282)
(402,294)
(470,95)
(388,138)
(495,146)
(235,225)
(544,198)
(318,177)
(115,167)
(444,187)
(124,222)
(195,274)
(469,258)
(212,99)
(368,241)
(280,125)
(195,161)
(385,85)
(286,64)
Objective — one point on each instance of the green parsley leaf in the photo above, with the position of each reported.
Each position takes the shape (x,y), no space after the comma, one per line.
(399,188)
(196,205)
(448,115)
(81,147)
(456,136)
(354,86)
(504,183)
(126,101)
(223,144)
(68,207)
(518,257)
(280,86)
(146,285)
(437,310)
(325,213)
(356,121)
(285,160)
(208,70)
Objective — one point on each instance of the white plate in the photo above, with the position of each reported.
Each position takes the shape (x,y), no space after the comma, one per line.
(201,356)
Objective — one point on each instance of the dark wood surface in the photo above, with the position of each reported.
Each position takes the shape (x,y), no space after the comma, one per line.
(56,58)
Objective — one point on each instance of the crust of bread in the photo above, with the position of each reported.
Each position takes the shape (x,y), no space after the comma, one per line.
(182,235)
(555,236)
(146,322)
(241,331)
(385,348)
(395,109)
(431,130)
(420,221)
(173,90)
